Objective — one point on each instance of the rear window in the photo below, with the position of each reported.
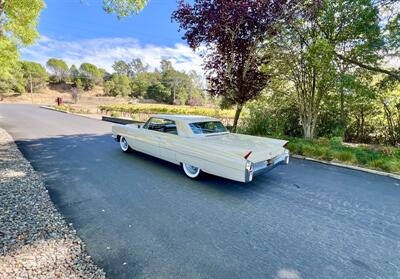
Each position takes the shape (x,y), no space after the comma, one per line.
(209,127)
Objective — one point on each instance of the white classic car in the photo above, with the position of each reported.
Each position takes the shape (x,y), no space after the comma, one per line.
(203,144)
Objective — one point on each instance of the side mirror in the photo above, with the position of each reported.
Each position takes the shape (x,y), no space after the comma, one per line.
(138,126)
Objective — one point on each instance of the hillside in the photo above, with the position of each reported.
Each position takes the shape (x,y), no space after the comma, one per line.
(88,100)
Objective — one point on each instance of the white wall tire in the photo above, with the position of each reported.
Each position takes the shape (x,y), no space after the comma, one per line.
(191,171)
(123,143)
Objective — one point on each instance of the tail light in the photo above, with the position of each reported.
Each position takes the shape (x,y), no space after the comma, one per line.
(247,155)
(249,166)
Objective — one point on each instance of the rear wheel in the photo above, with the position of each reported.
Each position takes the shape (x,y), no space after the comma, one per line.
(191,171)
(124,144)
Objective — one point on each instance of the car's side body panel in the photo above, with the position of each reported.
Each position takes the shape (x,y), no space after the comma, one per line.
(221,155)
(210,159)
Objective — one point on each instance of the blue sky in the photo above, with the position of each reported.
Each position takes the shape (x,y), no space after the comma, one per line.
(80,31)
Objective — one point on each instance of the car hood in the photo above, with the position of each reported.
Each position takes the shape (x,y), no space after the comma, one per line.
(261,148)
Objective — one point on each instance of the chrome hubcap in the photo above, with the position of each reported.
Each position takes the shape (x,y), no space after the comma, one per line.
(124,144)
(191,169)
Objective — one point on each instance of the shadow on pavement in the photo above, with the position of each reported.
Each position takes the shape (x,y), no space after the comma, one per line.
(74,158)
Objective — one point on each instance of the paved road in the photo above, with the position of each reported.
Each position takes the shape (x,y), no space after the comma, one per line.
(142,218)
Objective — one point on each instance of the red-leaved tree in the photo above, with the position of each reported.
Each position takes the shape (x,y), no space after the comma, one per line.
(233,32)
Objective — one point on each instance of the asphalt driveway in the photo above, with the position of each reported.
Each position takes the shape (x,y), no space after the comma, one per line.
(142,218)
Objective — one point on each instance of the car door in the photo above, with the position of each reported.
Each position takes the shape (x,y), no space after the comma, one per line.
(167,139)
(147,140)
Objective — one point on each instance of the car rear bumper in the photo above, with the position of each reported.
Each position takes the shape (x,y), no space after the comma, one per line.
(266,166)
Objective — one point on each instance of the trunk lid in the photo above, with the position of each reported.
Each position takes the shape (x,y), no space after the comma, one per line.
(261,148)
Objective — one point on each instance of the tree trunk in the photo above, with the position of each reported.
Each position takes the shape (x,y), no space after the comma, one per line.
(239,108)
(362,124)
(30,81)
(308,128)
(389,120)
(342,120)
(173,95)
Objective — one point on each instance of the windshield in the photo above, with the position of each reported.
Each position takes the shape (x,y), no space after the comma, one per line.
(209,127)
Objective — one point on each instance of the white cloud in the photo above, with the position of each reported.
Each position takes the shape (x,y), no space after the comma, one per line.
(104,51)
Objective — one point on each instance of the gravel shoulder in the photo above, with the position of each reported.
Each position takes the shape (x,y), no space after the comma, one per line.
(35,240)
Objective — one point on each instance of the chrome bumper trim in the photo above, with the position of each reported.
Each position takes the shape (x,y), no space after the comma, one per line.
(263,167)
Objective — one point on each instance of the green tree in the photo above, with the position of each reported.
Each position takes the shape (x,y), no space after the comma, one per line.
(388,98)
(121,67)
(103,75)
(90,75)
(123,8)
(59,70)
(361,105)
(73,73)
(178,83)
(309,47)
(9,65)
(196,95)
(362,30)
(119,85)
(166,66)
(141,81)
(11,79)
(18,22)
(34,74)
(136,66)
(158,92)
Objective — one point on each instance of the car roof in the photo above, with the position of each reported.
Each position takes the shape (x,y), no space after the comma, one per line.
(186,118)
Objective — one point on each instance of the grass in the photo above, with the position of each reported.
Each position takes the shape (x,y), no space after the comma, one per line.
(383,158)
(68,108)
(166,109)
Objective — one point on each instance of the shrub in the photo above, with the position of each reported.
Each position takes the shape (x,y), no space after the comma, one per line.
(345,156)
(308,150)
(381,158)
(195,101)
(296,148)
(336,141)
(385,165)
(388,151)
(376,164)
(390,166)
(323,141)
(328,155)
(363,158)
(319,151)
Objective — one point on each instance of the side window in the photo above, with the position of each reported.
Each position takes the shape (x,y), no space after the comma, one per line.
(161,125)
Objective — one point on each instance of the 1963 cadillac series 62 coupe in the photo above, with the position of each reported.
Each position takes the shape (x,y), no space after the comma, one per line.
(203,144)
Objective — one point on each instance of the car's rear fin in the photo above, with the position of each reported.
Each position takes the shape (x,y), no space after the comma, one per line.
(286,144)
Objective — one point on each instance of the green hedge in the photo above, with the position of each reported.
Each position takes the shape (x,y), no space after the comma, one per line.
(383,158)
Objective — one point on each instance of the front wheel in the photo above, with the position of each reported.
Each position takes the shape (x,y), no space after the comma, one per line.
(191,171)
(123,143)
